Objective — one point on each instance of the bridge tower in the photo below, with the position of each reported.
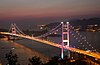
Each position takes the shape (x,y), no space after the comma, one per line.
(13,29)
(65,38)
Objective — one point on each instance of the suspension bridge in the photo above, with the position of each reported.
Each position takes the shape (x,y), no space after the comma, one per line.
(65,44)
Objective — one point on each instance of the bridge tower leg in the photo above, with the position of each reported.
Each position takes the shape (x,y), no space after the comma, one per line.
(13,29)
(68,35)
(65,38)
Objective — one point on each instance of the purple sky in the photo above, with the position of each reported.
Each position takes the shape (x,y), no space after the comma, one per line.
(51,8)
(43,11)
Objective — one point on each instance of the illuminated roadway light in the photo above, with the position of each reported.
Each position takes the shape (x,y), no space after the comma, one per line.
(56,30)
(77,31)
(80,35)
(89,44)
(67,22)
(83,45)
(84,40)
(80,43)
(73,27)
(86,48)
(61,22)
(76,38)
(72,34)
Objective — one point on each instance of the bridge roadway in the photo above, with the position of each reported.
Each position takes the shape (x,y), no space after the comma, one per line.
(92,54)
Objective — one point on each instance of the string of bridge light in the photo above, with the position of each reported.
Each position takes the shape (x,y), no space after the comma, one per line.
(50,32)
(16,28)
(54,33)
(82,38)
(78,41)
(19,30)
(10,27)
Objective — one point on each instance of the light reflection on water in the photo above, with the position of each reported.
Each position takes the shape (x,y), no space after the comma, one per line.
(91,37)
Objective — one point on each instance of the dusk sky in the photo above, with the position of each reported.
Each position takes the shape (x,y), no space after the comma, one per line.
(43,11)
